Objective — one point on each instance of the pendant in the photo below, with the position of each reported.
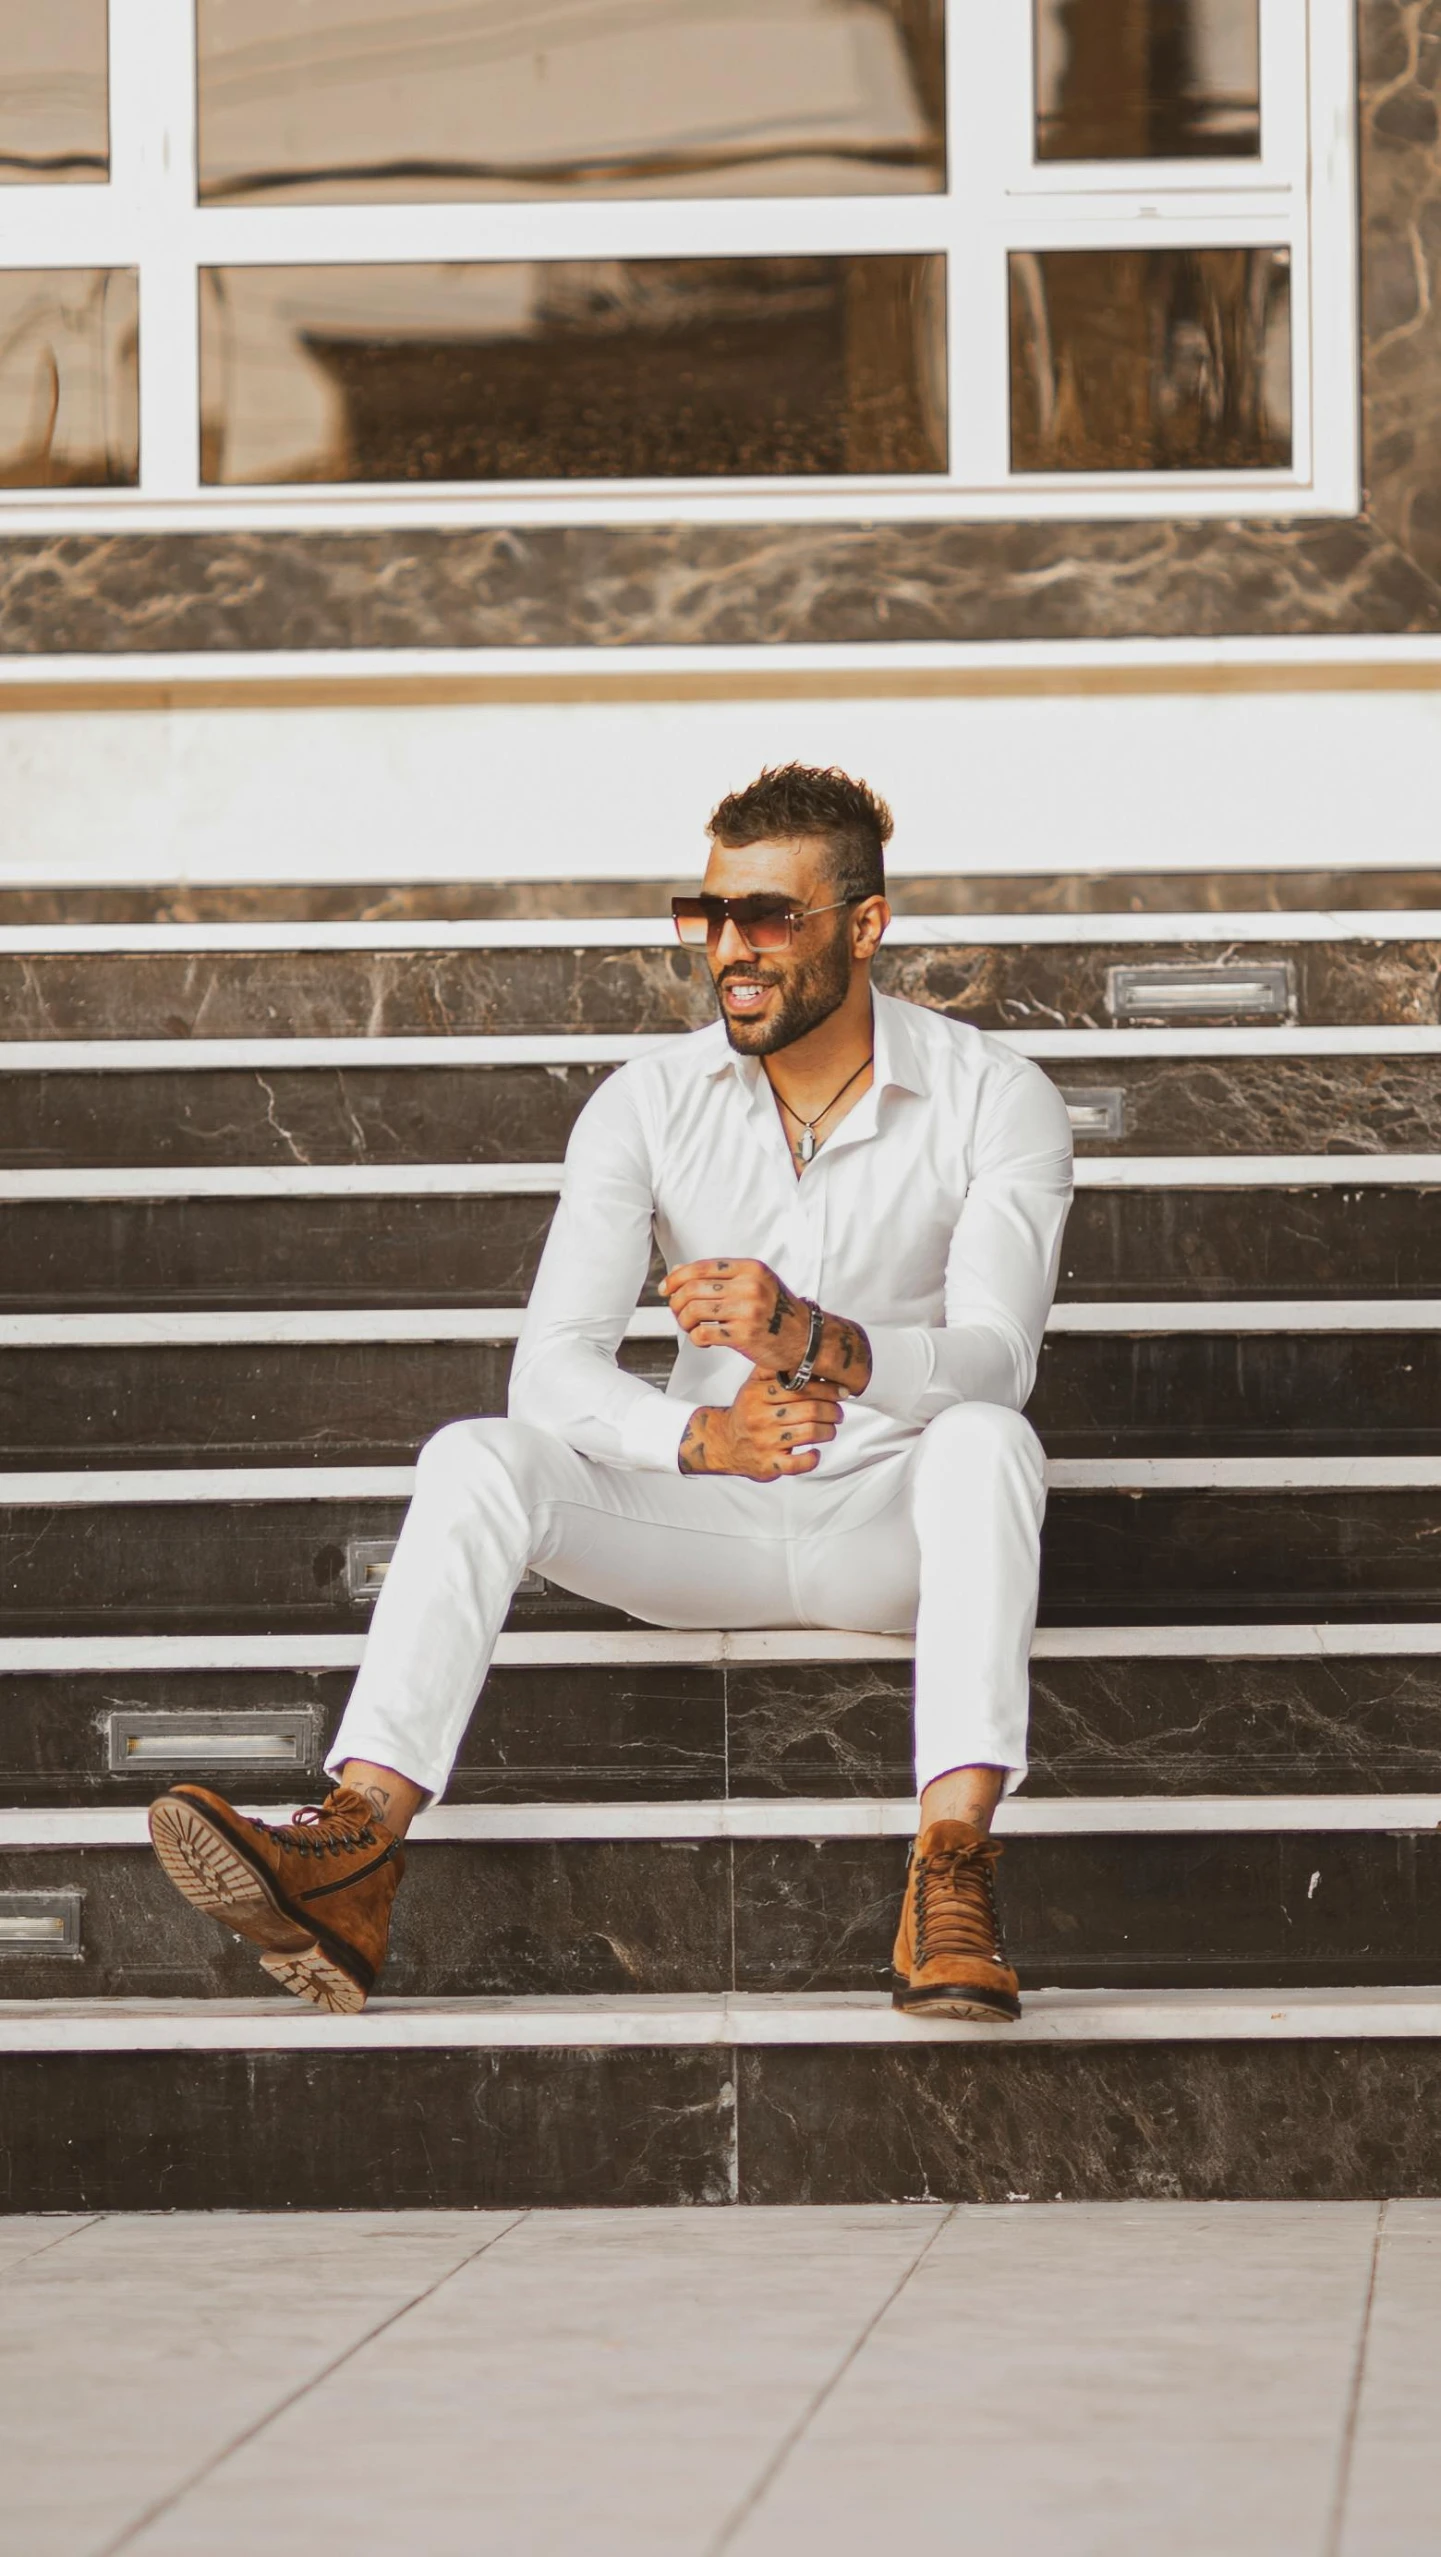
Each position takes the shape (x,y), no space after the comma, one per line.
(807,1145)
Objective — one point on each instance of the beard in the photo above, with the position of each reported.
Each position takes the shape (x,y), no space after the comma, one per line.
(809,995)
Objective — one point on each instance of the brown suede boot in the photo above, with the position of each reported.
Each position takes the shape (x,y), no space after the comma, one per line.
(316,1894)
(949,1958)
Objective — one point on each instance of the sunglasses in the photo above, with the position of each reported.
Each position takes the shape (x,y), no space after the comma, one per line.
(764,923)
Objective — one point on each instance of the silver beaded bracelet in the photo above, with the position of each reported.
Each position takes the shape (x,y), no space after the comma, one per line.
(802,1375)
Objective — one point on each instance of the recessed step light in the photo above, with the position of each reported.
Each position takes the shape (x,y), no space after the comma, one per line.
(39,1922)
(1263,990)
(189,1742)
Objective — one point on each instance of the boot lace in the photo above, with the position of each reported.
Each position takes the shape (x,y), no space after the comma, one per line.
(319,1830)
(956,1904)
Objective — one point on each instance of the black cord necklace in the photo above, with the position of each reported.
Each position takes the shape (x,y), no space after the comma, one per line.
(806,1147)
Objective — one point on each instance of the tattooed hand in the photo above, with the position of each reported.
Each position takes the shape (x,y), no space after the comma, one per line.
(742,1305)
(739,1305)
(766,1432)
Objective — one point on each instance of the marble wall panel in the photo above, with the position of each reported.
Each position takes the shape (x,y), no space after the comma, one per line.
(409,994)
(977,2122)
(1146,1244)
(622,1732)
(1235,1726)
(587,1918)
(398,2130)
(149,1254)
(509,1114)
(67,1255)
(613,586)
(559,1733)
(639,1917)
(310,1114)
(376,1402)
(1143,1911)
(1158,1557)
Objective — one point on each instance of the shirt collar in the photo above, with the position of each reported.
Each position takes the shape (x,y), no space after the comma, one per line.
(899,1065)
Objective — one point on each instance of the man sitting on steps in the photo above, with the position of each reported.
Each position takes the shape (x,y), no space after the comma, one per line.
(860,1206)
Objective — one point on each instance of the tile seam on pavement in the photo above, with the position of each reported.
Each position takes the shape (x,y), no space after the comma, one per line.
(751,2502)
(1333,2543)
(155,2511)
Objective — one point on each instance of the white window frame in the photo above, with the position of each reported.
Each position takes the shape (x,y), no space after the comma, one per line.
(1299,195)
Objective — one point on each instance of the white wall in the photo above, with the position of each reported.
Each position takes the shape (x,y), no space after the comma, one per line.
(555,790)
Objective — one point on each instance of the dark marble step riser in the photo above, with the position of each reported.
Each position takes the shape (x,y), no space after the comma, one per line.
(515,1114)
(963,2122)
(911,892)
(403,993)
(1157,1557)
(630,1917)
(375,1402)
(150,1254)
(601,1732)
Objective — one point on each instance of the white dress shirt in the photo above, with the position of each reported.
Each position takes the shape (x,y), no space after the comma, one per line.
(933,1217)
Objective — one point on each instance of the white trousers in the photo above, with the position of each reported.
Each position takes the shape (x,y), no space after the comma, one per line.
(941,1540)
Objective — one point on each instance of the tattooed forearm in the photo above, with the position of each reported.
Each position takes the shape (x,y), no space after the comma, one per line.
(845,1355)
(696,1451)
(785,1308)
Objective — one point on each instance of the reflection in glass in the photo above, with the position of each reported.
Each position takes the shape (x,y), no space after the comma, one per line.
(381,101)
(654,368)
(69,383)
(1150,360)
(54,93)
(1147,79)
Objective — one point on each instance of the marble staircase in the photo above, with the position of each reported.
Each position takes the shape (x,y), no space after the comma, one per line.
(276,1169)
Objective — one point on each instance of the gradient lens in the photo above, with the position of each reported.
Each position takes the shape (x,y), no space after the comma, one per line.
(764,923)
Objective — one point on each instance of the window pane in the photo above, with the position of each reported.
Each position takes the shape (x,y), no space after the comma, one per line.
(1150,360)
(376,101)
(654,368)
(69,392)
(1147,79)
(54,93)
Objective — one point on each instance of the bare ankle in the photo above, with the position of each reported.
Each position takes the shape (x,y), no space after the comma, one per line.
(393,1798)
(963,1793)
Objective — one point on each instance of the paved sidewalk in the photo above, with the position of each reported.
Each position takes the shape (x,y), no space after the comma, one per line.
(1084,2380)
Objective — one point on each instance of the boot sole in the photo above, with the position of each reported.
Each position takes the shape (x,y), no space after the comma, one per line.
(967,2006)
(209,1871)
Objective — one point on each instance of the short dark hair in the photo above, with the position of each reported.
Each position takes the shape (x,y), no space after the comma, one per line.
(825,804)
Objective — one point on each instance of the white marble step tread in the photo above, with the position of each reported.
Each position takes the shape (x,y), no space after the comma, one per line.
(308,1326)
(845,2019)
(1274,929)
(572,1048)
(1024,1816)
(184,1485)
(25,1655)
(511,1180)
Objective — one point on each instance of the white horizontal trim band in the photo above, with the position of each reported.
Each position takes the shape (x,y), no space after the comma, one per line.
(497,1325)
(538,1824)
(52,1655)
(303,1181)
(210,1056)
(1418,652)
(506,1180)
(620,932)
(74,1654)
(841,2020)
(182,1485)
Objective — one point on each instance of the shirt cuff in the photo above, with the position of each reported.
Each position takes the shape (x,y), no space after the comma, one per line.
(902,1361)
(652,1431)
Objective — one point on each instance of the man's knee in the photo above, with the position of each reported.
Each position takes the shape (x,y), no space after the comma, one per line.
(979,1438)
(463,1455)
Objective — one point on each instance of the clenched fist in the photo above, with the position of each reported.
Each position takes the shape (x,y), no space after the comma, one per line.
(739,1305)
(766,1432)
